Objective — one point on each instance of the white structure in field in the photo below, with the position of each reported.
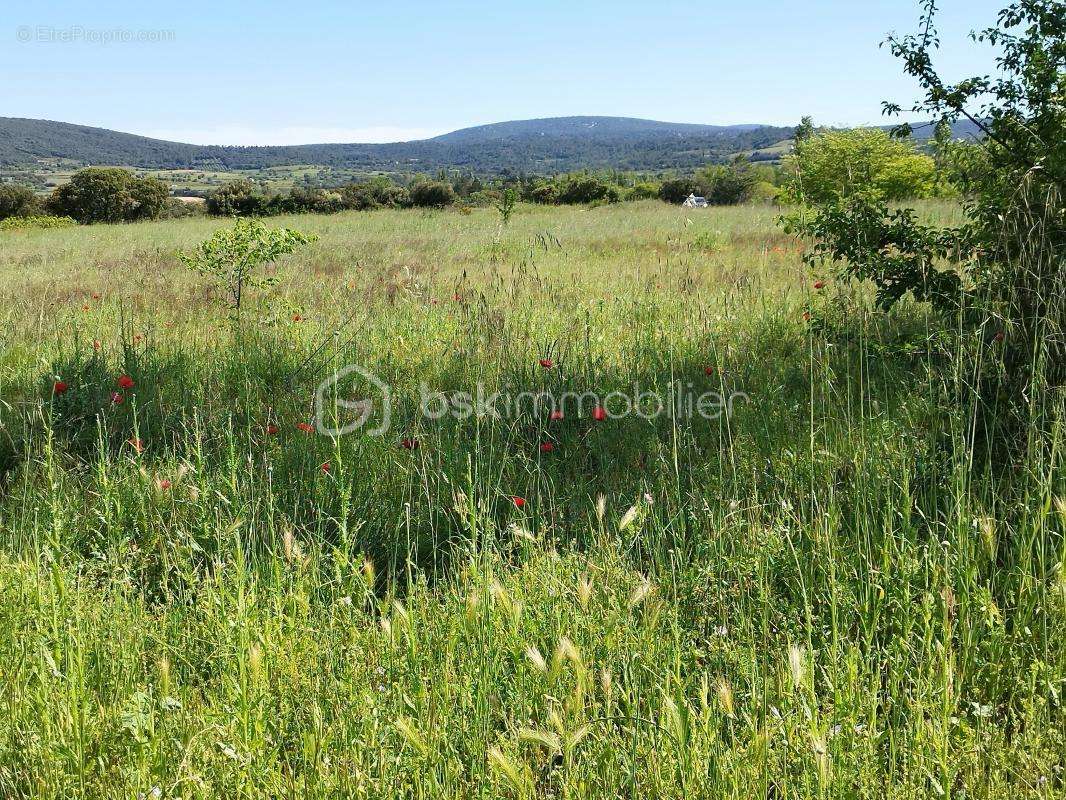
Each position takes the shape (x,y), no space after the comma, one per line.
(694,202)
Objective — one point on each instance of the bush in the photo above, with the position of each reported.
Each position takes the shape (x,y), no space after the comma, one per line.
(643,191)
(109,194)
(588,189)
(176,208)
(432,194)
(18,201)
(867,161)
(728,185)
(378,192)
(313,201)
(25,223)
(546,193)
(239,198)
(676,190)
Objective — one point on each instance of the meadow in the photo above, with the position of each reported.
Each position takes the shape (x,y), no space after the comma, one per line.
(824,593)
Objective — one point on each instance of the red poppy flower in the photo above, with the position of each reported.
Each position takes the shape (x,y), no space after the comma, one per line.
(125,382)
(85,307)
(547,363)
(819,284)
(96,295)
(137,338)
(708,370)
(306,428)
(271,429)
(557,415)
(457,297)
(518,501)
(59,387)
(296,318)
(547,447)
(409,444)
(96,345)
(806,316)
(117,398)
(136,444)
(999,337)
(325,467)
(599,413)
(164,484)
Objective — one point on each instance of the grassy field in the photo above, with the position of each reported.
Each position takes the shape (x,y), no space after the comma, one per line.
(818,594)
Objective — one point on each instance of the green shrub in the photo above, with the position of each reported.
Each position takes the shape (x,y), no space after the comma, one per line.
(432,194)
(18,201)
(676,190)
(109,194)
(728,184)
(176,208)
(239,198)
(545,193)
(25,223)
(867,161)
(588,189)
(378,192)
(643,191)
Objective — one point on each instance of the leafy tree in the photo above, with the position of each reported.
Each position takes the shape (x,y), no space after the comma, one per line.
(432,194)
(836,164)
(1012,247)
(109,194)
(18,201)
(232,255)
(729,184)
(805,130)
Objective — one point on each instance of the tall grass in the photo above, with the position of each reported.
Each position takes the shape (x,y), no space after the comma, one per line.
(826,594)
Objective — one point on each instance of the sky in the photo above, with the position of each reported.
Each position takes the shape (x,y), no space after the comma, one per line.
(274,72)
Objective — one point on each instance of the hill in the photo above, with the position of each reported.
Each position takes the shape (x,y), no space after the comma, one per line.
(558,144)
(546,146)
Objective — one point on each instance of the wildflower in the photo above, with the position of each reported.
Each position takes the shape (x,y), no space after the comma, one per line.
(125,382)
(819,284)
(164,484)
(137,338)
(96,295)
(547,447)
(117,398)
(297,318)
(271,429)
(806,316)
(999,337)
(96,345)
(325,467)
(305,427)
(708,370)
(59,387)
(557,415)
(599,413)
(85,307)
(518,501)
(409,444)
(457,297)
(136,444)
(547,363)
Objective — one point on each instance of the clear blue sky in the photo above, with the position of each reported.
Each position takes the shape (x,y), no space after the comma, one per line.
(287,72)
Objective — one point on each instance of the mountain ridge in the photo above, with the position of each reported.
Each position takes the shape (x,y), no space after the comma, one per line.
(544,145)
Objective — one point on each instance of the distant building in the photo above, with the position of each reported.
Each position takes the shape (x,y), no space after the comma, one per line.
(695,202)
